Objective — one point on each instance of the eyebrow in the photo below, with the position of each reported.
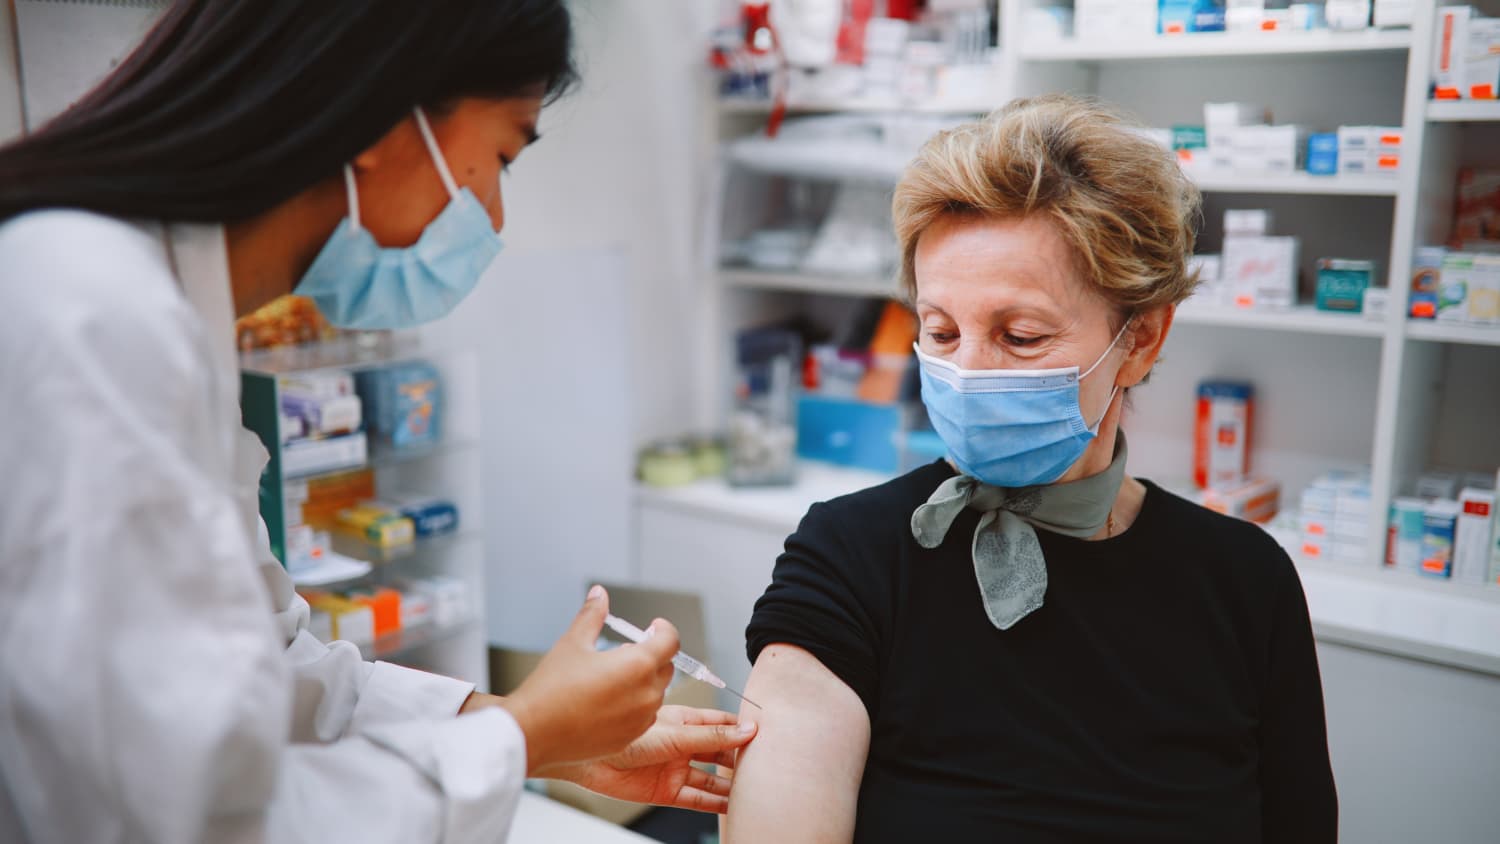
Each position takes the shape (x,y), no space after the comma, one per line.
(924,303)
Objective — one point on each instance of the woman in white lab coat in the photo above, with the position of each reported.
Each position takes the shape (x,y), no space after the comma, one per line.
(157,679)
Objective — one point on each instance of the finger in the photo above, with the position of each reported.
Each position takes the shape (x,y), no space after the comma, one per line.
(689,715)
(699,801)
(711,783)
(697,740)
(724,758)
(590,620)
(661,641)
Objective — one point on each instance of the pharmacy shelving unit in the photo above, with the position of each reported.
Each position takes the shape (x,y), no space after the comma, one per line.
(457,647)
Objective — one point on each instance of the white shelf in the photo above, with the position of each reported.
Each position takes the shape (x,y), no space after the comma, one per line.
(1300,182)
(778,508)
(809,283)
(1387,611)
(1448,332)
(394,645)
(866,105)
(1304,319)
(1221,44)
(1463,111)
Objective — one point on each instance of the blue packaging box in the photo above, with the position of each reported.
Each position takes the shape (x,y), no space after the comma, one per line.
(1323,154)
(849,432)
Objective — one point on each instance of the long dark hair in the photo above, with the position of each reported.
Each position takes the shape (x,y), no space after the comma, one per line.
(228,107)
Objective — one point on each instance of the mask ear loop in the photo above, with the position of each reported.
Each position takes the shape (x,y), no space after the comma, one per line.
(1094,429)
(351,195)
(436,152)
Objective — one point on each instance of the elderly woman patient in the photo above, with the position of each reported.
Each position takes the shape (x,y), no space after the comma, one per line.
(1023,643)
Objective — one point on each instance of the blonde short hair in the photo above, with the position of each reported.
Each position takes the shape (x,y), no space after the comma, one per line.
(1119,199)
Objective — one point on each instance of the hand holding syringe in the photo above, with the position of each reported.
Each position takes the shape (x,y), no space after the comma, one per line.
(686,664)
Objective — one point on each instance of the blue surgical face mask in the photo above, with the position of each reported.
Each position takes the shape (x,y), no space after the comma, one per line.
(1010,427)
(356,283)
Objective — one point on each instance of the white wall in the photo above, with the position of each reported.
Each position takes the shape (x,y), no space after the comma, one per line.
(585,329)
(10,78)
(619,167)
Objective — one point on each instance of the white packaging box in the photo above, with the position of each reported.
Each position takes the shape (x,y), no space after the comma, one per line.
(1221,116)
(1483,302)
(1247,222)
(1114,20)
(1347,14)
(1284,147)
(1262,271)
(1393,13)
(1482,59)
(1243,15)
(1376,302)
(1473,535)
(1449,37)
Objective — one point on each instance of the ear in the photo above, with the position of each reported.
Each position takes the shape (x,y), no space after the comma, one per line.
(1148,333)
(388,148)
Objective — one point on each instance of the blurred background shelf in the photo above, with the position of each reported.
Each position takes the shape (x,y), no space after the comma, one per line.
(1213,45)
(1463,111)
(809,282)
(1300,182)
(403,642)
(1448,332)
(1303,319)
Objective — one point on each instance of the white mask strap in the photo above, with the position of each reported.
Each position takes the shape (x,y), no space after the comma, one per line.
(352,195)
(1111,348)
(436,152)
(1112,393)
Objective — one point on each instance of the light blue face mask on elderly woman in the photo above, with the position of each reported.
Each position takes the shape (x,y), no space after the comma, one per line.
(1010,427)
(356,283)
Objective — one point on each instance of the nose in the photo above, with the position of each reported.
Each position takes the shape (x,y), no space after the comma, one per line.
(978,354)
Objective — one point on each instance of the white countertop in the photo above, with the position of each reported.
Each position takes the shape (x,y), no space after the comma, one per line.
(540,820)
(1392,612)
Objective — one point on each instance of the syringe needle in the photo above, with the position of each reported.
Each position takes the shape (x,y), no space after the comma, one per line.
(745,699)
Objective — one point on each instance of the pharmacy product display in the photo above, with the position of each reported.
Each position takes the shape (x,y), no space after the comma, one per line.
(1447,528)
(1455,286)
(1116,20)
(1242,138)
(1465,55)
(383,619)
(818,51)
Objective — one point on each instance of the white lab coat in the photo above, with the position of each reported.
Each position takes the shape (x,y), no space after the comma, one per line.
(157,680)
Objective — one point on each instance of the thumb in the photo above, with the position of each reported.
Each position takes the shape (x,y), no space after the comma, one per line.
(708,739)
(661,641)
(590,620)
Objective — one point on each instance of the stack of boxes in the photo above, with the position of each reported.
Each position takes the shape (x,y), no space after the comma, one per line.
(365,616)
(1369,150)
(1221,454)
(1336,517)
(1460,287)
(1258,270)
(1447,530)
(1465,55)
(1114,20)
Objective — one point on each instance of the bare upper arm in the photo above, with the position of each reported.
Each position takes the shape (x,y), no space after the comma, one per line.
(798,781)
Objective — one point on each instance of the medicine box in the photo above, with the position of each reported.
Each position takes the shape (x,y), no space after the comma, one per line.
(1481,72)
(1220,119)
(1247,222)
(1114,20)
(1404,537)
(1254,500)
(1426,275)
(1262,271)
(1176,17)
(1347,14)
(1390,14)
(1438,522)
(1375,303)
(1473,535)
(1221,453)
(1243,15)
(1342,283)
(1323,154)
(1453,287)
(1450,38)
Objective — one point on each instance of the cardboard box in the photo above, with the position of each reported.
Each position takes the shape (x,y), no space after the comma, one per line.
(1393,13)
(1450,36)
(1262,271)
(1481,75)
(1473,535)
(1347,14)
(508,668)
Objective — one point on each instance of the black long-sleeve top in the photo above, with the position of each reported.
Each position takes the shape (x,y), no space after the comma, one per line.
(1168,689)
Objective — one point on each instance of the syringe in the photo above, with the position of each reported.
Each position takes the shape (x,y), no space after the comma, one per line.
(686,664)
